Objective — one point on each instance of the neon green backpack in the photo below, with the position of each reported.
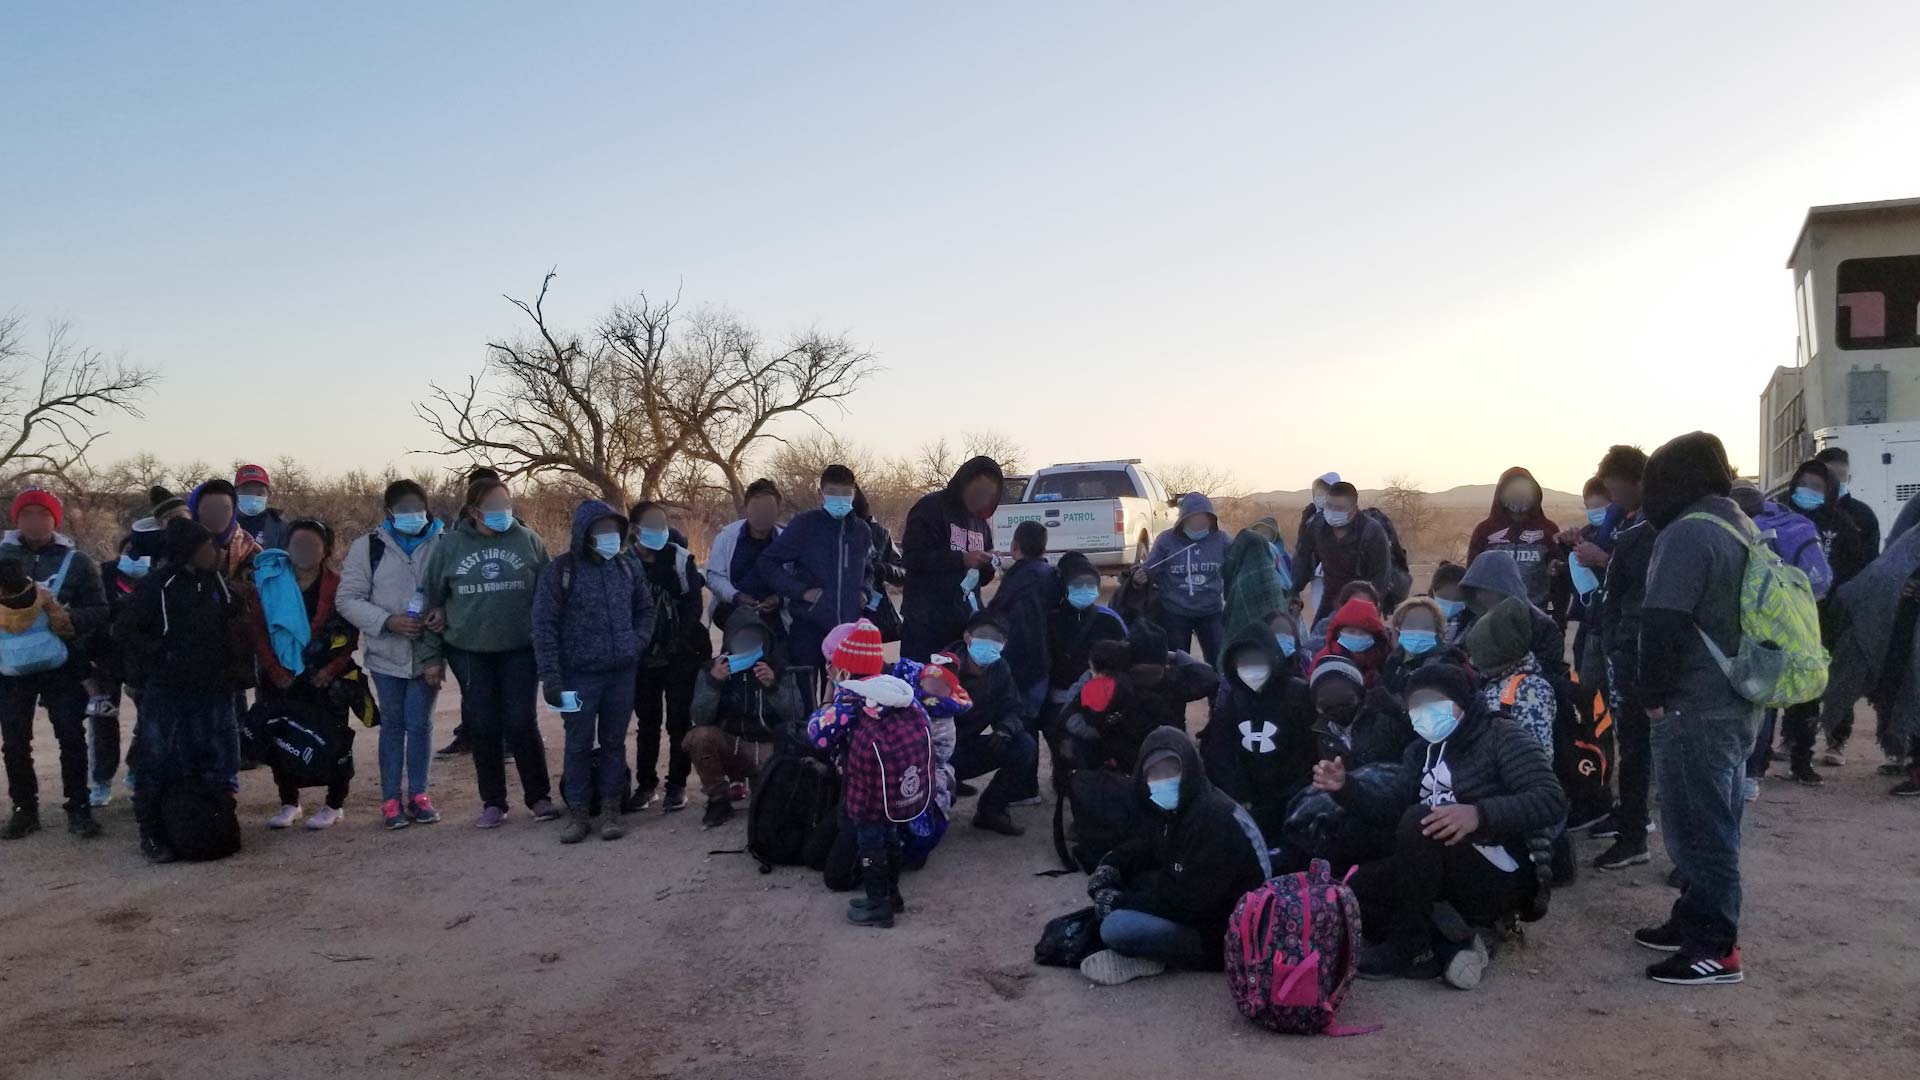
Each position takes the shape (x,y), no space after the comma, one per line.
(1781,661)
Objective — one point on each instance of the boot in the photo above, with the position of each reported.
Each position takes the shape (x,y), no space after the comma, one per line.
(24,822)
(877,909)
(81,824)
(577,826)
(154,847)
(893,884)
(612,825)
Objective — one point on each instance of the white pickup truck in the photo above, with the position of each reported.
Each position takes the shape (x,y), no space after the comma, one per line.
(1109,511)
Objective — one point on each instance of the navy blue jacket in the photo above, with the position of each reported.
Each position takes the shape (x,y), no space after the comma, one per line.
(818,551)
(1029,591)
(590,614)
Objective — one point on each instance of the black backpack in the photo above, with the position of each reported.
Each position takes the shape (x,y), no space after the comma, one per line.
(792,797)
(1583,749)
(1069,939)
(303,743)
(1103,817)
(200,820)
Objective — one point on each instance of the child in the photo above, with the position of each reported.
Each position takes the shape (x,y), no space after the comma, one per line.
(1445,591)
(889,774)
(1029,591)
(1357,634)
(1511,681)
(1420,639)
(738,703)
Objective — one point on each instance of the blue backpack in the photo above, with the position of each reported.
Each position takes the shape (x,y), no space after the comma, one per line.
(37,648)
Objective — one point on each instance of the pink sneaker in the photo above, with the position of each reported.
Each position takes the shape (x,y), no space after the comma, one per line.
(423,811)
(491,818)
(390,813)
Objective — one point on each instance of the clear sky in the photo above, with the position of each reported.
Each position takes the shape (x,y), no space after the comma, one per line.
(1431,239)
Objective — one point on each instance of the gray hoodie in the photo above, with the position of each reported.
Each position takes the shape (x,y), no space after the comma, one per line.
(1498,573)
(1188,571)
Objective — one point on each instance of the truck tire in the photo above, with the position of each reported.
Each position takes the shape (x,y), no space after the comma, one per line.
(1140,549)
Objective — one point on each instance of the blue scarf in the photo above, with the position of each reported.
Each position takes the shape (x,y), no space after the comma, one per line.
(283,607)
(411,544)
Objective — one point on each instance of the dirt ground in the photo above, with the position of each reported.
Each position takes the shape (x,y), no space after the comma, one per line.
(446,951)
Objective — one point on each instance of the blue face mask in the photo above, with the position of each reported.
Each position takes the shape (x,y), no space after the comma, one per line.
(837,505)
(1197,534)
(1355,642)
(1288,646)
(412,523)
(739,662)
(1083,597)
(985,653)
(1165,793)
(1597,518)
(251,505)
(1809,499)
(135,568)
(606,545)
(653,539)
(498,520)
(1434,721)
(1337,518)
(1451,608)
(1418,642)
(1278,552)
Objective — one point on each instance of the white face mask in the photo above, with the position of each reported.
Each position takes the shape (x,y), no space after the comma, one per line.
(1255,676)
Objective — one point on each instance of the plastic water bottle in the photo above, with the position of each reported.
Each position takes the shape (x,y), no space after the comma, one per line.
(418,604)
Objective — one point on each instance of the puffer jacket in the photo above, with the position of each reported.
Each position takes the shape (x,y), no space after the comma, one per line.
(590,614)
(371,594)
(1488,763)
(80,593)
(1193,863)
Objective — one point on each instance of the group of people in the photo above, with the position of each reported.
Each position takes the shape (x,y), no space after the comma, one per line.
(1419,741)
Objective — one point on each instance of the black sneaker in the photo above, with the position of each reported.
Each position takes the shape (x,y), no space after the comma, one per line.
(676,799)
(998,823)
(1675,881)
(21,824)
(1664,938)
(964,790)
(81,824)
(1906,789)
(1804,774)
(719,812)
(156,851)
(456,748)
(1566,867)
(1684,970)
(1622,854)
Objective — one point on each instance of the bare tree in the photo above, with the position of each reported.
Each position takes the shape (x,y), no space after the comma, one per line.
(730,391)
(1412,512)
(1216,482)
(549,404)
(54,401)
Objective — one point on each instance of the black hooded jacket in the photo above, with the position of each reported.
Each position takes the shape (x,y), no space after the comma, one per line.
(1191,864)
(1151,694)
(181,627)
(1840,535)
(738,704)
(1258,745)
(1072,633)
(940,531)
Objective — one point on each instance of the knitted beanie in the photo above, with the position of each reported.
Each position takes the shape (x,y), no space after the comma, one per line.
(860,650)
(40,497)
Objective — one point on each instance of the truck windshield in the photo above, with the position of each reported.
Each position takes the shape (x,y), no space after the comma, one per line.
(1073,486)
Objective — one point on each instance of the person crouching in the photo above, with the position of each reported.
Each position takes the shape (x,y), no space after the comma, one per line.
(889,782)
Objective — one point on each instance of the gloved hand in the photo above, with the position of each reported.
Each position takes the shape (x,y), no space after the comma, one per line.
(1104,900)
(1103,877)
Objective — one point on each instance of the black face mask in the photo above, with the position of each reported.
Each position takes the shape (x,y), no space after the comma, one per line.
(1341,714)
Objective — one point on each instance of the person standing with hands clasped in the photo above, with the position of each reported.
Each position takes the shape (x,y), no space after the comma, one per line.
(948,546)
(479,602)
(592,619)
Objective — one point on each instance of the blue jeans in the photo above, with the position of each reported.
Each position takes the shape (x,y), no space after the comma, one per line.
(1182,629)
(406,731)
(1011,760)
(1150,937)
(606,702)
(876,839)
(1700,760)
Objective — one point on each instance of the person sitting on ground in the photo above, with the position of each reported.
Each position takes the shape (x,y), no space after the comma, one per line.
(1164,896)
(1512,683)
(1419,630)
(1358,728)
(888,775)
(741,698)
(1493,577)
(1322,631)
(993,733)
(1257,744)
(1133,688)
(1284,626)
(1444,589)
(1254,585)
(593,618)
(1467,797)
(302,645)
(1357,634)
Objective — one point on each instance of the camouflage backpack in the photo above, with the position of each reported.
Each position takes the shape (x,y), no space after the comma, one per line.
(1781,660)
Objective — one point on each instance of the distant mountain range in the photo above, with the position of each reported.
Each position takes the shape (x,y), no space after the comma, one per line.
(1464,497)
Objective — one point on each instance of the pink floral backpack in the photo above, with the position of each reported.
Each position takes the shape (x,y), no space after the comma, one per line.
(1293,945)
